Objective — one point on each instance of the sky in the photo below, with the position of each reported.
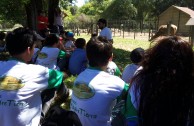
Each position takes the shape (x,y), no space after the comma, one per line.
(79,3)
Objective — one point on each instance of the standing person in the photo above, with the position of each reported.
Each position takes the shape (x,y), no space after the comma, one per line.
(162,91)
(58,19)
(105,31)
(42,22)
(136,56)
(21,84)
(78,60)
(95,90)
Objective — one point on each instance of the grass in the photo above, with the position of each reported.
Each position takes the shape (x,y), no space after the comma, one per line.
(121,52)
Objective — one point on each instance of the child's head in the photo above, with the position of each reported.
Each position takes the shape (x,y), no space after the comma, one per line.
(70,35)
(137,55)
(19,40)
(80,43)
(2,36)
(51,40)
(46,32)
(99,51)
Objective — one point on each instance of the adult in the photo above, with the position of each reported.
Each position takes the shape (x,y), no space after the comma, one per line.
(42,22)
(162,91)
(105,31)
(95,90)
(59,15)
(21,84)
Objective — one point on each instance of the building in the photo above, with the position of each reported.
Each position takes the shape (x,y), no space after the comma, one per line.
(178,16)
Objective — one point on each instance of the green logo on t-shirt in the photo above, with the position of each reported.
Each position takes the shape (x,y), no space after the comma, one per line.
(42,55)
(83,91)
(10,83)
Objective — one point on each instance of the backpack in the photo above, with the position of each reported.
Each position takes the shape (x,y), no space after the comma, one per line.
(57,116)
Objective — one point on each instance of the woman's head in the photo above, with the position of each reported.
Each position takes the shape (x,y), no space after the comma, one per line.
(164,86)
(172,55)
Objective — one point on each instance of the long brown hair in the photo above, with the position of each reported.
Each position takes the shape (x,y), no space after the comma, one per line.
(165,85)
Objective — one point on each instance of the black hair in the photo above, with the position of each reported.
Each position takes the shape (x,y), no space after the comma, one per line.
(137,55)
(98,51)
(51,39)
(80,43)
(19,40)
(102,20)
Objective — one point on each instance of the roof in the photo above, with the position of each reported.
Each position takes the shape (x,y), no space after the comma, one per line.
(186,10)
(190,21)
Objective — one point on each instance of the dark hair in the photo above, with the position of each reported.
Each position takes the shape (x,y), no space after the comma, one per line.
(136,55)
(102,20)
(98,52)
(51,39)
(165,84)
(2,35)
(19,40)
(80,43)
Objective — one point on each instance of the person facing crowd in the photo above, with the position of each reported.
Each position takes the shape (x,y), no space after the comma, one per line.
(136,57)
(162,91)
(78,60)
(105,31)
(21,84)
(95,90)
(58,19)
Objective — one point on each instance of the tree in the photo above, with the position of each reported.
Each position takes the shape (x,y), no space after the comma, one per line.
(120,9)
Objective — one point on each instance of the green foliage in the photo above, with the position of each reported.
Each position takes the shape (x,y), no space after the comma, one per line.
(120,9)
(13,10)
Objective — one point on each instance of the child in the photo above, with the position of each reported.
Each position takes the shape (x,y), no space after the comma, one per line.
(136,57)
(22,83)
(94,90)
(50,53)
(69,44)
(78,59)
(38,46)
(113,69)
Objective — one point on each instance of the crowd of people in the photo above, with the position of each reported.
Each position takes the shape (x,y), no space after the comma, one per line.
(156,84)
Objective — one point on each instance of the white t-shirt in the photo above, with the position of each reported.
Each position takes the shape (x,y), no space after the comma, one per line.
(128,72)
(113,69)
(106,32)
(69,44)
(58,20)
(20,88)
(94,94)
(48,57)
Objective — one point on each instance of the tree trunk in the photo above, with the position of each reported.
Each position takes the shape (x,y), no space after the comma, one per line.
(32,12)
(51,7)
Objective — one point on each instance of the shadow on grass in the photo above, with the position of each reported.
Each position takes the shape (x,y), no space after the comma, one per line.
(121,58)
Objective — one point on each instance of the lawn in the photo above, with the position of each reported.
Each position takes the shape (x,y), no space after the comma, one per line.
(121,52)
